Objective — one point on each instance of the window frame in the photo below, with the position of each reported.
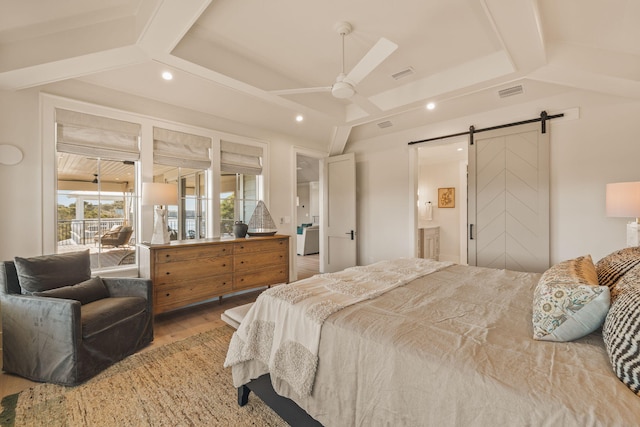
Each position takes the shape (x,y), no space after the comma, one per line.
(48,104)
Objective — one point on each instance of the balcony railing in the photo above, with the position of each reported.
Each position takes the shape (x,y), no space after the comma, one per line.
(85,231)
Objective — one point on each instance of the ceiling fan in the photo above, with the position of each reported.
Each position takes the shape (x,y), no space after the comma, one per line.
(345,85)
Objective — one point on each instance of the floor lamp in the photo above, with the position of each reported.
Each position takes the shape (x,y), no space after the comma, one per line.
(159,194)
(623,200)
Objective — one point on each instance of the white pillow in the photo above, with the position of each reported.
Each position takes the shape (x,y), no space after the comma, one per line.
(568,303)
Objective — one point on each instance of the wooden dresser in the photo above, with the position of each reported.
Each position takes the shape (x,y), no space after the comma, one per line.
(190,271)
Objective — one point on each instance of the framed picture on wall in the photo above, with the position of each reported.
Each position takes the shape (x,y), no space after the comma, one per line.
(447,197)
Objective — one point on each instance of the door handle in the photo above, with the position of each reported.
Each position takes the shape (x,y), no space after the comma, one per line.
(470,231)
(352,233)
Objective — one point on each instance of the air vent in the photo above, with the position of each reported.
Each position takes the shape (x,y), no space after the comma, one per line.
(404,73)
(385,124)
(510,91)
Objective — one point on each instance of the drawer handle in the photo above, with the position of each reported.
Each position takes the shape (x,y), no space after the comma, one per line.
(168,294)
(241,262)
(168,273)
(224,265)
(167,256)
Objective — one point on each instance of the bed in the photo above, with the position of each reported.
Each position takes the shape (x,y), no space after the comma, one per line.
(452,346)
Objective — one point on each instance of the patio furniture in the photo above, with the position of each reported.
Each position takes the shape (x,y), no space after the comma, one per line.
(117,236)
(61,325)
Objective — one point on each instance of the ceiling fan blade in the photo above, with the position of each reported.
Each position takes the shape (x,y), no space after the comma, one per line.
(364,103)
(378,53)
(301,90)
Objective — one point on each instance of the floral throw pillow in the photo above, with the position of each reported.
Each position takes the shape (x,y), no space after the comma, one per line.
(568,303)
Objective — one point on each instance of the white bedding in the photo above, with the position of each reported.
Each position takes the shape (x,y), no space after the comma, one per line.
(455,348)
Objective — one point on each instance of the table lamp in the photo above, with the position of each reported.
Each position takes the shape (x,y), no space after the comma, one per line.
(159,194)
(623,200)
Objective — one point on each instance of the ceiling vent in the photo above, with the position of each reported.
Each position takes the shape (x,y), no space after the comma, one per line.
(403,73)
(511,91)
(385,124)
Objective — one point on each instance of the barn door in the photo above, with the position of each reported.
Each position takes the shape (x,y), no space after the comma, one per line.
(508,209)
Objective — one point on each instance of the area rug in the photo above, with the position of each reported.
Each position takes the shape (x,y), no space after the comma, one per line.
(179,384)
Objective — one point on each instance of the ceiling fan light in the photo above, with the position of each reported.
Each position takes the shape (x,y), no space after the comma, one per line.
(342,90)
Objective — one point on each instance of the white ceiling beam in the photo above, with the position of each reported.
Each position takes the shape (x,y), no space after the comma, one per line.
(168,24)
(35,75)
(339,140)
(517,24)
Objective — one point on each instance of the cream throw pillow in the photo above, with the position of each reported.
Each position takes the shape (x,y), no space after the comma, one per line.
(568,303)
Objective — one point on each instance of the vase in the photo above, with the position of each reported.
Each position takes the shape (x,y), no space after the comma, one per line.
(240,229)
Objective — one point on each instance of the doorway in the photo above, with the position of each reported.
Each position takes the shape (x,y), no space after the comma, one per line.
(307,216)
(442,167)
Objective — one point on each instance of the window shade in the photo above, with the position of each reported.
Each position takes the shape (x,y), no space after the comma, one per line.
(173,148)
(240,158)
(96,136)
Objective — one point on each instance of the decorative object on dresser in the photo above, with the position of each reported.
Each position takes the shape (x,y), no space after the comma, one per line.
(240,229)
(192,271)
(160,194)
(623,200)
(261,223)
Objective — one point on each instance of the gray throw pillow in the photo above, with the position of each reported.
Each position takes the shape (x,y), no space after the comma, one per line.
(46,272)
(88,291)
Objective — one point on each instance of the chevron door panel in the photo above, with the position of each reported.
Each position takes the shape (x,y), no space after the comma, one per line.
(511,200)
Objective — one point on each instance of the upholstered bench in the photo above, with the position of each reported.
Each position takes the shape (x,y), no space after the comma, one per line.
(233,316)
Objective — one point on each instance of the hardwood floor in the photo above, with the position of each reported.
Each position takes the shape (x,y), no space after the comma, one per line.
(180,324)
(308,265)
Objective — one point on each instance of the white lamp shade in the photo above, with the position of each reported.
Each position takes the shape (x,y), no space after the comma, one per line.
(623,199)
(157,193)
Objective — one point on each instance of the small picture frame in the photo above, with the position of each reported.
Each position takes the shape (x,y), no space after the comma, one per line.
(447,197)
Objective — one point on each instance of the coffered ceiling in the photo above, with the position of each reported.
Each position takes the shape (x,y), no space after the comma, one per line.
(234,58)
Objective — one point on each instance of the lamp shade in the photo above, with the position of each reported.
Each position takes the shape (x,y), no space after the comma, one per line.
(623,199)
(158,193)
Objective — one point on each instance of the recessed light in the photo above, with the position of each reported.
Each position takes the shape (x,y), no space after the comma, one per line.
(459,149)
(299,118)
(431,106)
(167,75)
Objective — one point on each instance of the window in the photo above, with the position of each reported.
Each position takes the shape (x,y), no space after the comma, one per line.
(239,196)
(96,198)
(100,156)
(240,183)
(184,159)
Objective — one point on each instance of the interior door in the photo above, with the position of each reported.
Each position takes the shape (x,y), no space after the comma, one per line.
(338,221)
(508,209)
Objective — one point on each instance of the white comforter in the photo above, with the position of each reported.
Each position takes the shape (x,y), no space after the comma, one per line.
(282,329)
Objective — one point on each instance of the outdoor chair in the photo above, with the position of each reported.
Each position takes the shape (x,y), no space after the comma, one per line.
(61,325)
(117,236)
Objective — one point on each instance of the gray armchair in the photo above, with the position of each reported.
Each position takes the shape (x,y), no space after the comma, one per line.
(61,325)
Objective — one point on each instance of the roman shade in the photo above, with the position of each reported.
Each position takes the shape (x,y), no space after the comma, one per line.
(173,148)
(96,136)
(240,158)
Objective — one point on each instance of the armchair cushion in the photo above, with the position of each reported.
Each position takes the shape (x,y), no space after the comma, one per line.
(88,291)
(46,272)
(102,314)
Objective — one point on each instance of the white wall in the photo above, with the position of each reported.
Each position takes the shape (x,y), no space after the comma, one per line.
(586,154)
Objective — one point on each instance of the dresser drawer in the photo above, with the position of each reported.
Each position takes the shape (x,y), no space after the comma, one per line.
(170,296)
(268,276)
(176,272)
(258,260)
(192,253)
(267,245)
